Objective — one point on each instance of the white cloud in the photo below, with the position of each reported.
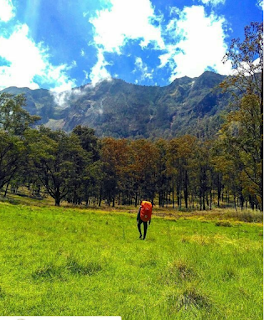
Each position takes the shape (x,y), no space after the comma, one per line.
(6,10)
(249,68)
(62,98)
(28,61)
(126,20)
(201,45)
(86,74)
(99,70)
(213,2)
(260,4)
(123,21)
(143,69)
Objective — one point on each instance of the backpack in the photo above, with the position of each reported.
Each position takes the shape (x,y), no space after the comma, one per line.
(145,211)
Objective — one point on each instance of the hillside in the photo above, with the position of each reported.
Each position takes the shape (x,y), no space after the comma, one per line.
(119,109)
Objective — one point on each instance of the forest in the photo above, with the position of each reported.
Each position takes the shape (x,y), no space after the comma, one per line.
(186,172)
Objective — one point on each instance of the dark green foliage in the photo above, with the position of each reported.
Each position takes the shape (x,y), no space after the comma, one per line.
(58,159)
(11,155)
(14,122)
(88,140)
(13,117)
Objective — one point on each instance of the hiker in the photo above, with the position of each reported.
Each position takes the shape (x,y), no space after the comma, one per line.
(144,216)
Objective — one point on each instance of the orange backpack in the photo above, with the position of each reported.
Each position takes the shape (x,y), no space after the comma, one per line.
(145,211)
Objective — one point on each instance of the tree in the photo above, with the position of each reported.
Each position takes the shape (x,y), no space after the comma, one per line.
(14,121)
(247,61)
(114,157)
(242,133)
(202,174)
(162,179)
(241,140)
(180,154)
(57,159)
(144,169)
(11,155)
(87,175)
(13,118)
(88,140)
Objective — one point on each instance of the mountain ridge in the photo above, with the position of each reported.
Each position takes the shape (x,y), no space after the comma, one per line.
(123,110)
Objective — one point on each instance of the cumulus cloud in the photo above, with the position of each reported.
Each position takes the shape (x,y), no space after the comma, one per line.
(123,21)
(192,41)
(200,44)
(126,20)
(24,62)
(7,10)
(28,61)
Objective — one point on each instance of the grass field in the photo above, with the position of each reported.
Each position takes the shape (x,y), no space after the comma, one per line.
(69,261)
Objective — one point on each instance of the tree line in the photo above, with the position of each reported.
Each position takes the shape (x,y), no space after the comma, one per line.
(185,172)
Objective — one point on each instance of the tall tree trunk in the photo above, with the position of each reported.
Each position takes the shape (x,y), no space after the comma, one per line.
(186,194)
(6,190)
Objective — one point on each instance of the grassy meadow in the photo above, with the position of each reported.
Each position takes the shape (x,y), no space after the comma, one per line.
(70,261)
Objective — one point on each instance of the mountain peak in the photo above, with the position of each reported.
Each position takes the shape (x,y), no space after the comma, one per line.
(119,109)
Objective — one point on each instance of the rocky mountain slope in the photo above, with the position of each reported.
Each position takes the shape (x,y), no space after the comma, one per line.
(119,109)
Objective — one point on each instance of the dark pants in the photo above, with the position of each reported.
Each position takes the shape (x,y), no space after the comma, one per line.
(139,222)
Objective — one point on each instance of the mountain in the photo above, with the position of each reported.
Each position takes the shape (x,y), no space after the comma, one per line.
(119,109)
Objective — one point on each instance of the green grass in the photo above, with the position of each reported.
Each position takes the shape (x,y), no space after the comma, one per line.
(66,261)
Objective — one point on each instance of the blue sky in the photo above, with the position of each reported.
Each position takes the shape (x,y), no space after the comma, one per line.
(63,44)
